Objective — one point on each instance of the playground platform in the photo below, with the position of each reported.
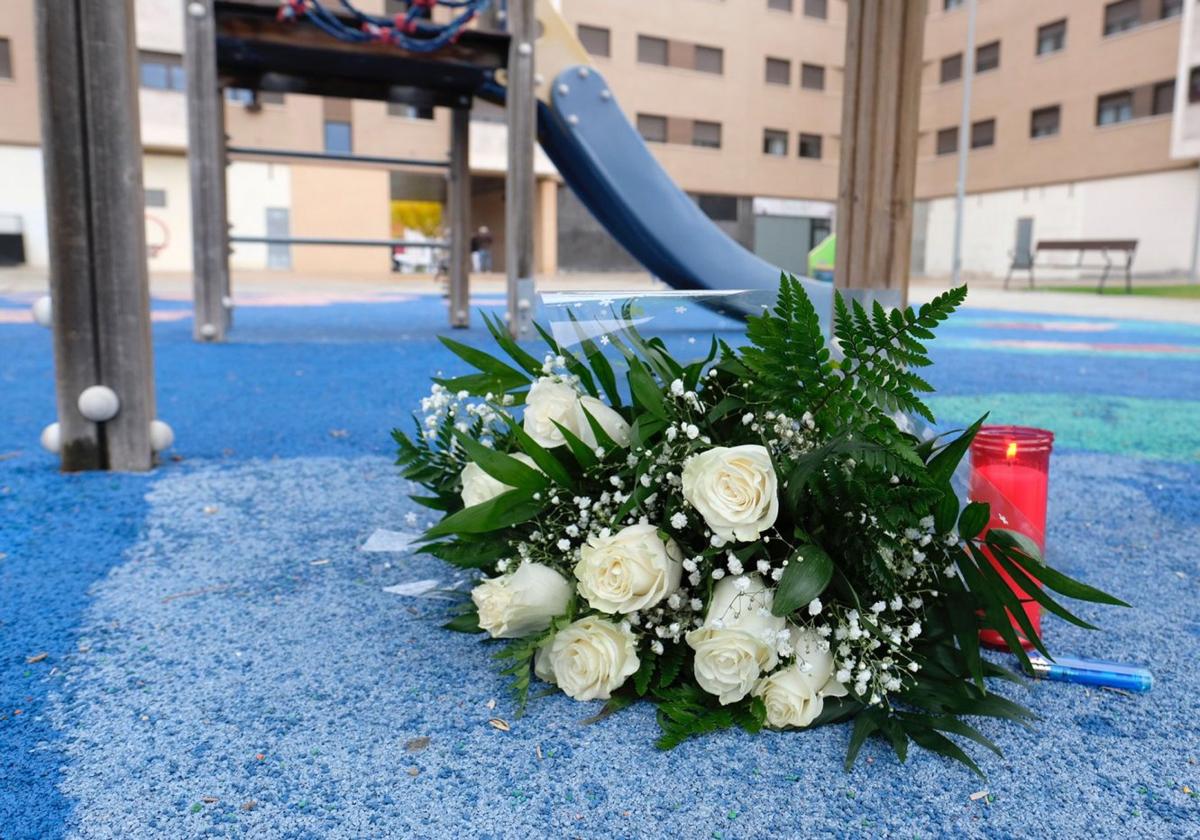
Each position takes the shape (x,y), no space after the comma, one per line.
(210,649)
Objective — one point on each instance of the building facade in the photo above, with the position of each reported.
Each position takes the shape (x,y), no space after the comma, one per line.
(740,100)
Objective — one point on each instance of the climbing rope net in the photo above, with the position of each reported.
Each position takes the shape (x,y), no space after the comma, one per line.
(411,29)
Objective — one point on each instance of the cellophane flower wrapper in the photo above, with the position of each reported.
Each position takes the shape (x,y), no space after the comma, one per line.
(744,523)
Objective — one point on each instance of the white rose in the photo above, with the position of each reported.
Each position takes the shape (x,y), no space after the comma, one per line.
(734,489)
(522,603)
(479,487)
(795,696)
(610,421)
(737,643)
(588,659)
(631,570)
(548,402)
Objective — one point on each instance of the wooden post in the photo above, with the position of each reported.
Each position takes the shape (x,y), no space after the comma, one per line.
(880,110)
(519,186)
(206,170)
(459,199)
(92,153)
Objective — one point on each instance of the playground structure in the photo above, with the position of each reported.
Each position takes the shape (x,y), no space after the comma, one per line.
(300,46)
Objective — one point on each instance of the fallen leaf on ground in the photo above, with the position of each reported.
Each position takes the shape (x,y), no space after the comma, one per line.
(502,725)
(977,795)
(491,704)
(37,657)
(416,744)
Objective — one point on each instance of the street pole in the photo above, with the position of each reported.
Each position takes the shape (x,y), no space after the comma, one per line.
(964,144)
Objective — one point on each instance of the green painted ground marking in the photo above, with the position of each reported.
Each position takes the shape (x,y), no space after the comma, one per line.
(1144,428)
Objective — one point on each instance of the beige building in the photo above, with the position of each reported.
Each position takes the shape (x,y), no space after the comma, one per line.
(740,101)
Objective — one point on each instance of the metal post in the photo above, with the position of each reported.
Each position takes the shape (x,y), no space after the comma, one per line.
(92,155)
(519,186)
(964,145)
(460,216)
(206,169)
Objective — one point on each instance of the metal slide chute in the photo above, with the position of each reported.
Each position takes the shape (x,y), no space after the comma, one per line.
(604,160)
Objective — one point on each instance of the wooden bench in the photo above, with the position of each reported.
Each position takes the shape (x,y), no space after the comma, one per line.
(1106,248)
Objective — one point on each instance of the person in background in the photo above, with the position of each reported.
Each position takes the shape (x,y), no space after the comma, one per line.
(481,249)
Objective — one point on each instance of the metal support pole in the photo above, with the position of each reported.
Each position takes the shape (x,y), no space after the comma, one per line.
(519,186)
(206,170)
(964,145)
(92,154)
(460,216)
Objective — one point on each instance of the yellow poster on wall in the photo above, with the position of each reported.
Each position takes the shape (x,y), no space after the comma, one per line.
(424,217)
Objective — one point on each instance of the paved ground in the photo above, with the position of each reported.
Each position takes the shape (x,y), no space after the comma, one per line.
(221,658)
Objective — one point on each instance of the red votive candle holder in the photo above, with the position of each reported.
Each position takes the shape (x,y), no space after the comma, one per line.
(1010,470)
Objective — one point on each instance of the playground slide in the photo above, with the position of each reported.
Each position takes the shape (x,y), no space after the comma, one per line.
(604,160)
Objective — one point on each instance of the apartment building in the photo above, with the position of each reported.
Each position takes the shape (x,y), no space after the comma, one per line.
(740,100)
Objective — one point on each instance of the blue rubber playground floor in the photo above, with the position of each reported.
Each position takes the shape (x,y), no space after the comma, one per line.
(209,651)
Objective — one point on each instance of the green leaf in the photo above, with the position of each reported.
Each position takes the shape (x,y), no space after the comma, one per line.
(806,575)
(945,462)
(468,622)
(945,511)
(942,745)
(1051,577)
(644,673)
(864,725)
(603,439)
(544,458)
(584,454)
(646,393)
(973,519)
(485,362)
(670,662)
(527,362)
(467,554)
(504,468)
(510,508)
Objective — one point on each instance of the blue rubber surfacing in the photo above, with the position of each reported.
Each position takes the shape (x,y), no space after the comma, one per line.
(193,624)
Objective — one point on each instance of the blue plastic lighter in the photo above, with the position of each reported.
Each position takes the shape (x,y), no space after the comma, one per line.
(1095,672)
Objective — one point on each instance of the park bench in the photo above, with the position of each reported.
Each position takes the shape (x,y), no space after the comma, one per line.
(1106,248)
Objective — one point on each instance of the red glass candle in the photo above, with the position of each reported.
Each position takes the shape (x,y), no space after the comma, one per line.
(1010,470)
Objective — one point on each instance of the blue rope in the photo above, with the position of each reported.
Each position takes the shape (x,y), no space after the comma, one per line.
(415,34)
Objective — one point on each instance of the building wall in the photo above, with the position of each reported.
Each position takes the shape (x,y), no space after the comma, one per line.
(1158,209)
(168,226)
(341,202)
(18,95)
(23,195)
(252,187)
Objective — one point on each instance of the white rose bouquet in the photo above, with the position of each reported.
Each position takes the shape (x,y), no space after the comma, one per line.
(745,539)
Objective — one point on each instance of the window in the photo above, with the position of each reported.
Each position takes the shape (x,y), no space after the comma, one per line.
(775,142)
(337,137)
(1114,108)
(1194,85)
(1164,98)
(652,50)
(1052,37)
(1170,9)
(951,68)
(156,198)
(947,5)
(810,146)
(1122,15)
(652,128)
(243,95)
(779,71)
(781,5)
(709,59)
(719,208)
(1043,122)
(595,39)
(412,112)
(812,76)
(987,57)
(947,141)
(983,134)
(161,71)
(816,9)
(253,98)
(6,71)
(706,134)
